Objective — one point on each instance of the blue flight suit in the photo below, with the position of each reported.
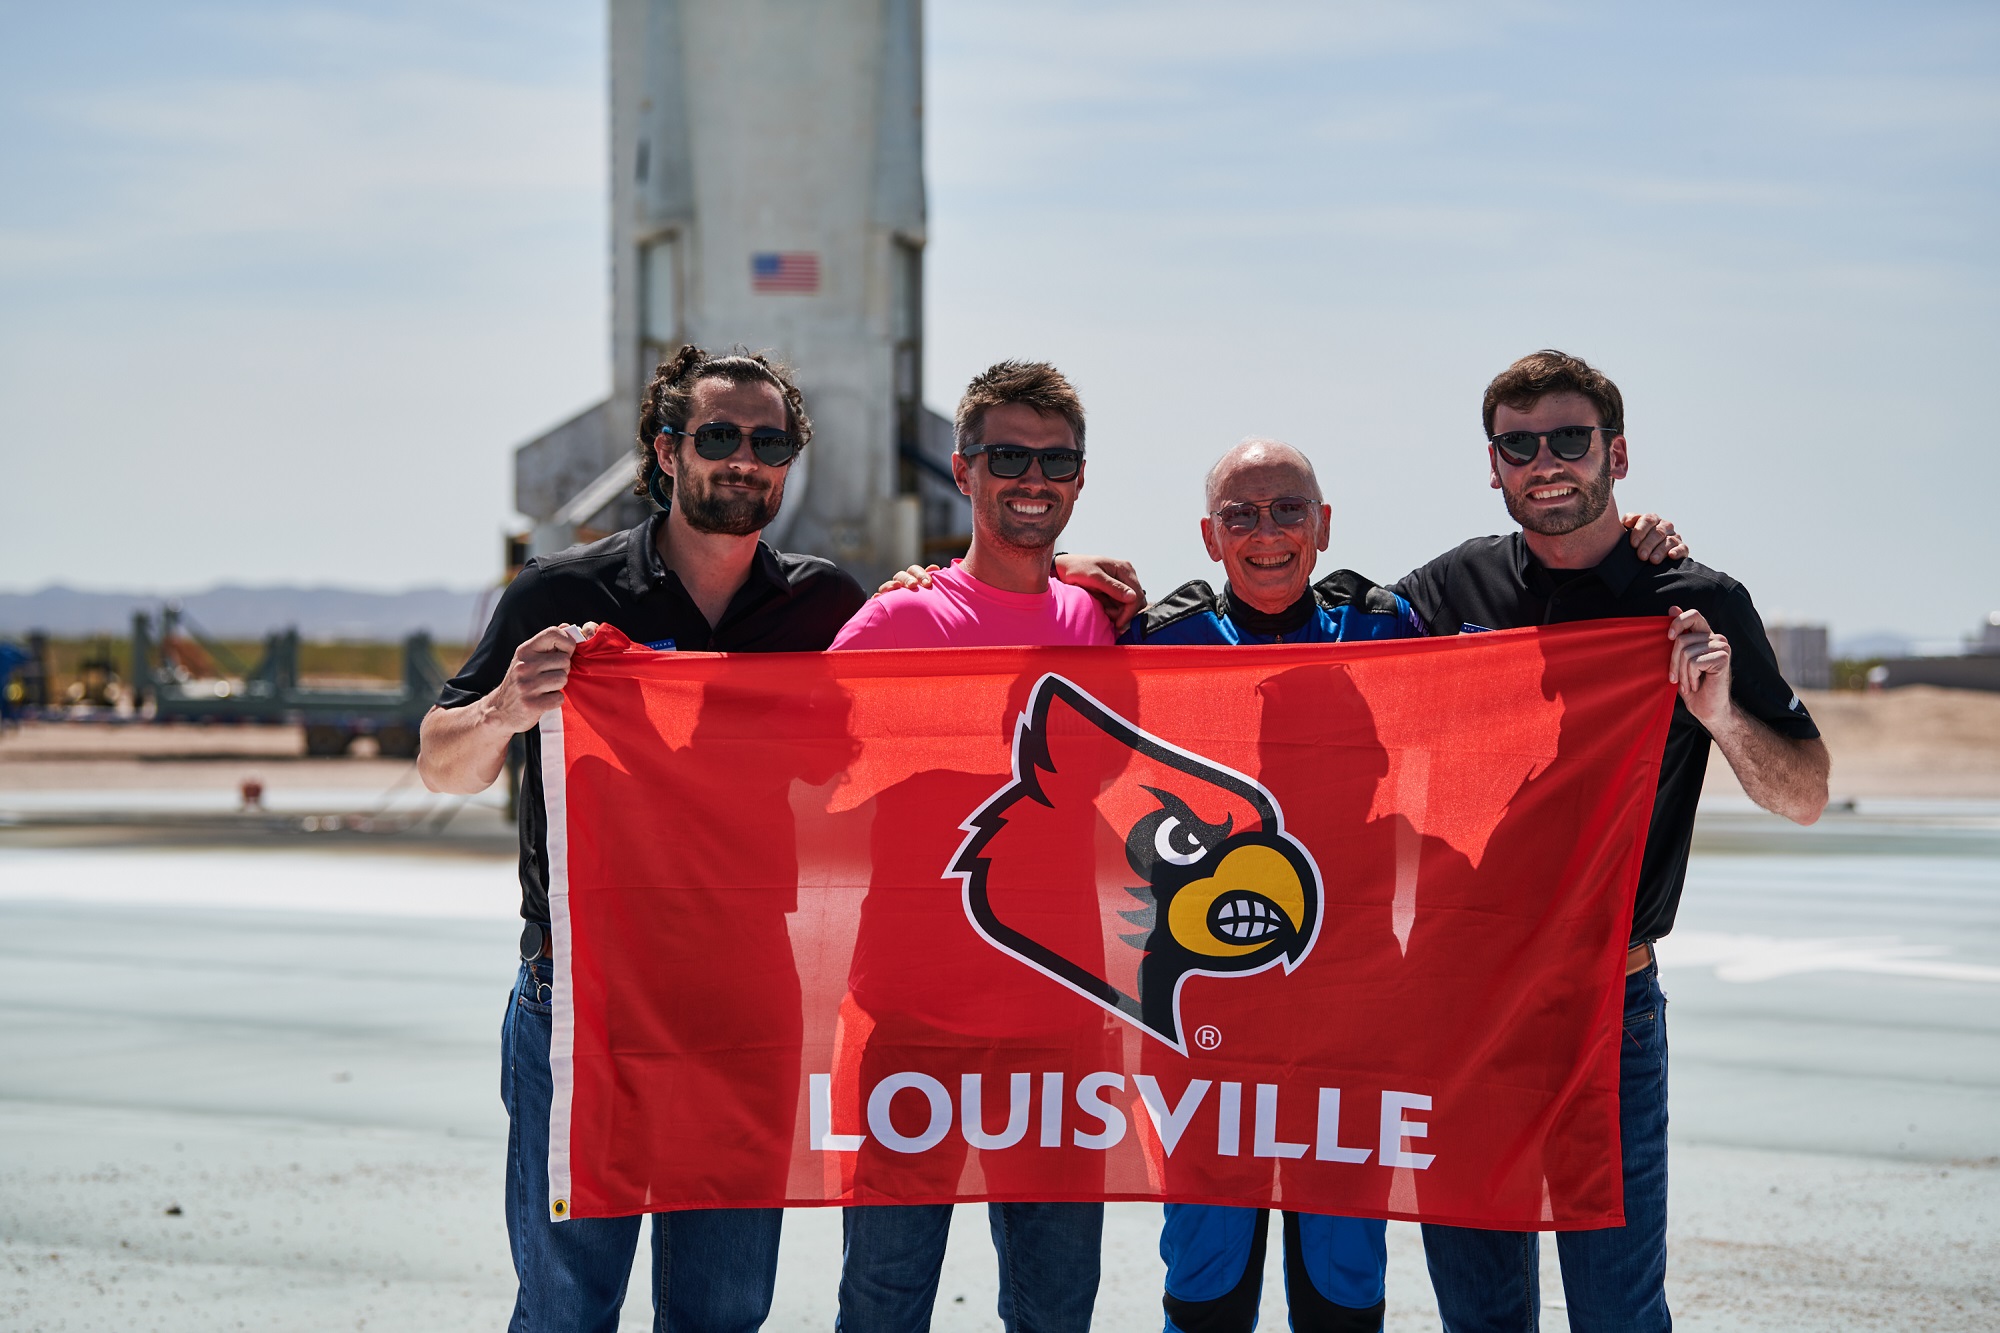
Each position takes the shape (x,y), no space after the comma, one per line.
(1334,1266)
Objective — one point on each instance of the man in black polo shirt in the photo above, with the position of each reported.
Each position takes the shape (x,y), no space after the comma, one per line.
(1555,428)
(717,435)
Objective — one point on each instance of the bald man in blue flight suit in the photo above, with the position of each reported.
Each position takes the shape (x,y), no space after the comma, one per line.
(1267,522)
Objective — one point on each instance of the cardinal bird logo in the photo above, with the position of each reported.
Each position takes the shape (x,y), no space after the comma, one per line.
(1120,864)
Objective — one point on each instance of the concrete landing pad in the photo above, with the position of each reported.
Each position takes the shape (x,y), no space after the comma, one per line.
(297,1051)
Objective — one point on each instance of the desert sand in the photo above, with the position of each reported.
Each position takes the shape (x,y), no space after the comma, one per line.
(1914,742)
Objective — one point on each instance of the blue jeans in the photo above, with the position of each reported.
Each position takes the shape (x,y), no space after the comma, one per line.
(713,1269)
(1048,1252)
(1334,1269)
(1614,1280)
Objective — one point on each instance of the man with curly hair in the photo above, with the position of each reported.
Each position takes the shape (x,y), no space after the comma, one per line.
(717,437)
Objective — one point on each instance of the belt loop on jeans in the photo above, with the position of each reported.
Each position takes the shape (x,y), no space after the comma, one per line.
(1639,958)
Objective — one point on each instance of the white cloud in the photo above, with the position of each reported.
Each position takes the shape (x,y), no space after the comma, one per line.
(1730,193)
(344,163)
(1937,110)
(280,299)
(1134,37)
(344,255)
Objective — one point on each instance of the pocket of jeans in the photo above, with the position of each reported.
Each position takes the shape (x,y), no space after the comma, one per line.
(525,998)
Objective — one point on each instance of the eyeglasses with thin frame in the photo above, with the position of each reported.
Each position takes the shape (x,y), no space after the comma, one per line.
(1008,461)
(1287,511)
(1569,443)
(719,439)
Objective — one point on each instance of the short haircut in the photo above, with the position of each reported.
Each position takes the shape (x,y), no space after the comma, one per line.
(1534,377)
(670,397)
(1035,384)
(1249,442)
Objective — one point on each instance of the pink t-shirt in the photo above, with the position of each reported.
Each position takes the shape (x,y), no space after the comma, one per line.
(958,611)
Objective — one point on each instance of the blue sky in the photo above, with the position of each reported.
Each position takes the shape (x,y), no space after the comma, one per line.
(281,285)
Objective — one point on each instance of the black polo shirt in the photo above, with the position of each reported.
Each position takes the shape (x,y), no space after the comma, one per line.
(789,604)
(1495,583)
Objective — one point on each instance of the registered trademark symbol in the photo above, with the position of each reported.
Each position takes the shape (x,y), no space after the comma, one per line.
(1208,1036)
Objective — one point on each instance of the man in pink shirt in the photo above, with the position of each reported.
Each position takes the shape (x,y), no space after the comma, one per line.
(1026,422)
(1020,461)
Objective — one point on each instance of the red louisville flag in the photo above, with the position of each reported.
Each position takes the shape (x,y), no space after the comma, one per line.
(1335,927)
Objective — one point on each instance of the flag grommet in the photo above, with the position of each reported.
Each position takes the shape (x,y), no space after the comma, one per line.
(559,1209)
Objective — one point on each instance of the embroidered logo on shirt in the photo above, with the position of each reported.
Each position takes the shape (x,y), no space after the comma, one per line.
(661,645)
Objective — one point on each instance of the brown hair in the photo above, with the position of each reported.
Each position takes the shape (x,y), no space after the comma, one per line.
(1035,384)
(670,397)
(1534,377)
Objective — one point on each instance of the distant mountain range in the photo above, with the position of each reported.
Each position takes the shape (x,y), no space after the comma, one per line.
(1879,643)
(450,615)
(234,612)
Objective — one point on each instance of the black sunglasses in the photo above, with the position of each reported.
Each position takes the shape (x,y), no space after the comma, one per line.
(719,439)
(1287,511)
(1568,443)
(1011,460)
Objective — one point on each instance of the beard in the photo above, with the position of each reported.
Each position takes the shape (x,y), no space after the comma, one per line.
(1593,497)
(725,511)
(1024,533)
